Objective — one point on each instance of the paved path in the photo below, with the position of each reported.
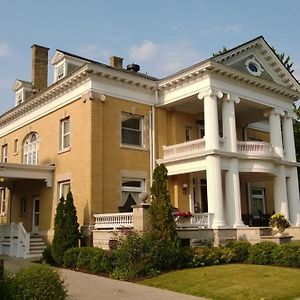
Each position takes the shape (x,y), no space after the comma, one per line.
(92,287)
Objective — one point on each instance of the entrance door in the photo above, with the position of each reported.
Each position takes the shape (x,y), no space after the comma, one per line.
(36,215)
(258,206)
(199,203)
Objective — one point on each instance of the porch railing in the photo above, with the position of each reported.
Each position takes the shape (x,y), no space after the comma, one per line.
(255,148)
(196,220)
(113,221)
(184,148)
(14,240)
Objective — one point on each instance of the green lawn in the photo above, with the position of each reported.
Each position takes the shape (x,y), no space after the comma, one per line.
(235,281)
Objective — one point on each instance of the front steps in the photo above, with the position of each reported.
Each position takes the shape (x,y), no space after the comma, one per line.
(36,247)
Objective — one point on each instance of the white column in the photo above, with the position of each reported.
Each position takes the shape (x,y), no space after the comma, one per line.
(275,130)
(233,195)
(211,123)
(288,137)
(229,124)
(214,190)
(280,192)
(293,193)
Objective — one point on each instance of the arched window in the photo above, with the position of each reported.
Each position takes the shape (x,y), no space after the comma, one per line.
(31,149)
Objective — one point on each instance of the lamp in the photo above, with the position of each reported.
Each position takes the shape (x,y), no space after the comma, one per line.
(184,188)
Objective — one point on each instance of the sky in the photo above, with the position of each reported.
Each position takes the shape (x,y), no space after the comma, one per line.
(162,36)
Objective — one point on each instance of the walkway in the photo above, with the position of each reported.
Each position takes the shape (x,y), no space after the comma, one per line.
(92,287)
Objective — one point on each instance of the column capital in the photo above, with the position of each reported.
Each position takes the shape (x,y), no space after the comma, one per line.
(290,115)
(231,98)
(273,111)
(213,93)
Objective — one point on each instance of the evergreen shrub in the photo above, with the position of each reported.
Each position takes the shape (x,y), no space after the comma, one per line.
(241,249)
(262,253)
(71,257)
(287,255)
(39,282)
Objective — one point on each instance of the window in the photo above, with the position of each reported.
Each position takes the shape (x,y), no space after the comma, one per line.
(16,146)
(65,134)
(132,129)
(4,153)
(64,188)
(60,72)
(19,97)
(23,206)
(2,201)
(31,149)
(188,133)
(257,201)
(131,189)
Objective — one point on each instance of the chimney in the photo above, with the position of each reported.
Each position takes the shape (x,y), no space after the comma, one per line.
(116,62)
(39,68)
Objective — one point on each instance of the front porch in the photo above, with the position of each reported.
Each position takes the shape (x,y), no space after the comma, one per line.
(194,229)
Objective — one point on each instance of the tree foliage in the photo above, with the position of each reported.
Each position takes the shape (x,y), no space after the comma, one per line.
(66,233)
(284,59)
(161,218)
(58,243)
(222,51)
(71,225)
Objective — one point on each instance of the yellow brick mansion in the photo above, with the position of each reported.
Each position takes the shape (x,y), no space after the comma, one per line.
(223,128)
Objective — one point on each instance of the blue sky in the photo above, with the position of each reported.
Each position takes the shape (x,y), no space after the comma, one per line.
(162,36)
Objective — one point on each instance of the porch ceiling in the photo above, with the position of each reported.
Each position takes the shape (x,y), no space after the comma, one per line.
(246,112)
(13,172)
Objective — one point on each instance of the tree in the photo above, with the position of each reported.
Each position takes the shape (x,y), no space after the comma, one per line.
(284,59)
(161,218)
(58,244)
(66,233)
(71,225)
(222,51)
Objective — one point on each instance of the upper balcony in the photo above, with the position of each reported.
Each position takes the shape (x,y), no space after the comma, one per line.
(197,148)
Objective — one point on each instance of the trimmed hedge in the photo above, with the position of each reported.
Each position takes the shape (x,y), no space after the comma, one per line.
(38,282)
(71,257)
(262,253)
(287,255)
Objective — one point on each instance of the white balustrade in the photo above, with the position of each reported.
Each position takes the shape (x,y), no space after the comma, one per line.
(116,220)
(14,240)
(255,148)
(196,220)
(191,147)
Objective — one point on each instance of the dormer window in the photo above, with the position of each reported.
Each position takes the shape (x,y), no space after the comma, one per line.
(19,97)
(60,72)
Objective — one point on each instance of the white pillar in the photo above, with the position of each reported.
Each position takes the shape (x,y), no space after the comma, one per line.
(293,193)
(211,123)
(280,192)
(288,137)
(214,190)
(275,130)
(229,124)
(233,195)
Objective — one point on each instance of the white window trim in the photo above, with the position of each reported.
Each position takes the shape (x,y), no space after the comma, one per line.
(132,189)
(263,197)
(4,153)
(59,66)
(19,97)
(31,148)
(60,185)
(62,135)
(3,200)
(141,123)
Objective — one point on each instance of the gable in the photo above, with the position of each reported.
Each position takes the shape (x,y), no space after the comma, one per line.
(256,58)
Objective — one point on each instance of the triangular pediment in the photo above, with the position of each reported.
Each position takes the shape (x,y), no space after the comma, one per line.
(18,84)
(57,57)
(256,58)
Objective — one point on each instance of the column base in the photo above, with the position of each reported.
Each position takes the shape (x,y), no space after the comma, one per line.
(220,225)
(239,224)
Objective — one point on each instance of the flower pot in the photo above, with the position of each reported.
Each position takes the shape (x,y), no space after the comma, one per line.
(280,231)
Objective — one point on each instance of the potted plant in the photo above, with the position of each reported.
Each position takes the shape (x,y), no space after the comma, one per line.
(279,222)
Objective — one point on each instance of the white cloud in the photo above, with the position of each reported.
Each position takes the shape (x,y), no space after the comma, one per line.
(5,49)
(163,58)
